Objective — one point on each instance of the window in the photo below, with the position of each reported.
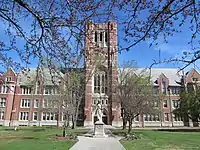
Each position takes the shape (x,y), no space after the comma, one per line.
(106,101)
(163,87)
(165,104)
(152,117)
(8,79)
(175,90)
(166,117)
(49,116)
(95,37)
(4,89)
(194,79)
(155,104)
(3,102)
(23,115)
(157,117)
(36,103)
(26,90)
(48,90)
(100,80)
(175,103)
(25,103)
(45,103)
(145,118)
(101,36)
(177,117)
(1,115)
(35,115)
(106,37)
(102,102)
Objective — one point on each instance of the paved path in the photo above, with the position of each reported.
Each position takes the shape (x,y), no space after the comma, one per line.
(87,143)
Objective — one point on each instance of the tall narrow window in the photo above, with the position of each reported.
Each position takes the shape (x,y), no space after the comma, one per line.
(1,115)
(100,82)
(103,83)
(36,103)
(24,115)
(164,87)
(4,89)
(101,36)
(95,83)
(35,116)
(106,37)
(2,102)
(95,37)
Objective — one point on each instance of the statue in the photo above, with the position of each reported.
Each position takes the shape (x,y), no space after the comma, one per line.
(99,112)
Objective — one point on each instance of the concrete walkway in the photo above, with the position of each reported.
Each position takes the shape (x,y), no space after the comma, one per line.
(87,143)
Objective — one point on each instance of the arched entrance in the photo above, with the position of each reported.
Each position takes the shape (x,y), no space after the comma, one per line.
(105,117)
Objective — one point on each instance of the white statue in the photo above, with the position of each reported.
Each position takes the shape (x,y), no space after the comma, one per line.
(99,112)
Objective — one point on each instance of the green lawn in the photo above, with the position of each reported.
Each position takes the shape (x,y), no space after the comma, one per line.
(28,138)
(32,138)
(159,140)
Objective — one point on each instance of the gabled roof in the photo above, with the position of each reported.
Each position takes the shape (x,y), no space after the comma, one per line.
(170,73)
(27,77)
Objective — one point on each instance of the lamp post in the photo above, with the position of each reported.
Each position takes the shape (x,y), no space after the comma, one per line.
(64,125)
(170,104)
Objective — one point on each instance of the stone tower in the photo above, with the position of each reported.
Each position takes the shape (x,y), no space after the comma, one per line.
(101,72)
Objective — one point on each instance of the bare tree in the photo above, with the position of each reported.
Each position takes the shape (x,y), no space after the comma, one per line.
(56,29)
(136,95)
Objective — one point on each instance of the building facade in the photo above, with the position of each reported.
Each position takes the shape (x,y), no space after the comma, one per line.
(22,105)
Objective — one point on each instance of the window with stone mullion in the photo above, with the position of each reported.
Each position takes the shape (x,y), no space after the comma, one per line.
(100,82)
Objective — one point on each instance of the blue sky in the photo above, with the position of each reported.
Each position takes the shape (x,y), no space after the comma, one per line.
(144,55)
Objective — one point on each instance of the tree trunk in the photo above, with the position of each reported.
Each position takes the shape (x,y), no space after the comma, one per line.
(57,119)
(64,129)
(195,121)
(124,123)
(129,125)
(73,122)
(68,117)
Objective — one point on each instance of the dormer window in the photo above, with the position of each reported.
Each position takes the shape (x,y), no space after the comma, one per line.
(26,90)
(8,79)
(194,79)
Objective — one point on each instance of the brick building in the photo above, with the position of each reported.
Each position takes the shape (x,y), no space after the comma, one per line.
(22,105)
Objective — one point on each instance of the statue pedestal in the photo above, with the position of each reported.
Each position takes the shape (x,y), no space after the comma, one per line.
(99,129)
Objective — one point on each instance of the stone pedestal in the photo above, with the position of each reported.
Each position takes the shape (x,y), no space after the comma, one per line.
(99,129)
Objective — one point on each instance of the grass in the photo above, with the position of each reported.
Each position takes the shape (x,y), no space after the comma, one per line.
(37,138)
(159,140)
(34,138)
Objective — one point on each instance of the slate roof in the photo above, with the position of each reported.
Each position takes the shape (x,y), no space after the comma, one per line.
(28,77)
(170,73)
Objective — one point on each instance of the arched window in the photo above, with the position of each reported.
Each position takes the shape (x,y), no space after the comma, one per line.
(100,82)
